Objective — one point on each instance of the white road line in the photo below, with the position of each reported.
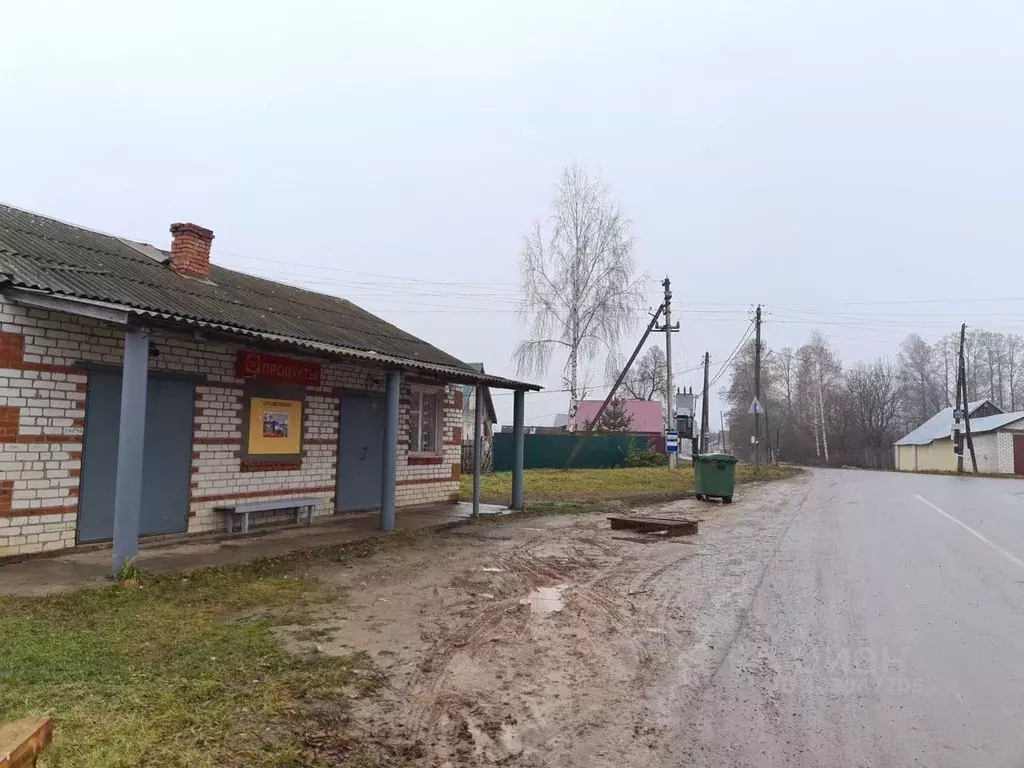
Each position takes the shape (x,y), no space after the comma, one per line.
(1011,557)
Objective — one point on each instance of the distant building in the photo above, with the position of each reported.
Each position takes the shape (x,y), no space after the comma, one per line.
(998,442)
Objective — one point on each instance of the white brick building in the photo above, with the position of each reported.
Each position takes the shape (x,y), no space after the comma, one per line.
(998,442)
(253,390)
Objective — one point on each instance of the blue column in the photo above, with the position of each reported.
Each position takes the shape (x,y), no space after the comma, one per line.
(518,417)
(390,477)
(478,445)
(130,440)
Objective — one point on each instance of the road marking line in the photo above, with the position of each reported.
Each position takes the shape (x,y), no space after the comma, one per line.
(1011,557)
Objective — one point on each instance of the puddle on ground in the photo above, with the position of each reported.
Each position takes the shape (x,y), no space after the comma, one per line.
(545,600)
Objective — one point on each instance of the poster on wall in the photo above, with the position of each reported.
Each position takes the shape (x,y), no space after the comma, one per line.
(275,426)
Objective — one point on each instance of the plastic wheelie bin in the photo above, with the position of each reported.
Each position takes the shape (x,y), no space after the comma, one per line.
(714,474)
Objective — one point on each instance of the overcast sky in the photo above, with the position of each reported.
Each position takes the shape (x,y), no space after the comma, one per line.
(822,158)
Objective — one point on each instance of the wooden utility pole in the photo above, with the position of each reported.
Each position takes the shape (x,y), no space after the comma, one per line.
(705,428)
(615,387)
(958,445)
(757,385)
(721,416)
(967,407)
(670,391)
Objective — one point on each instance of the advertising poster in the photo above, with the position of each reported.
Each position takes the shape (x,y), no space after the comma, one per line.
(275,426)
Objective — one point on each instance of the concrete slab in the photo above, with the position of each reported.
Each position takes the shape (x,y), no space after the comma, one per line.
(77,569)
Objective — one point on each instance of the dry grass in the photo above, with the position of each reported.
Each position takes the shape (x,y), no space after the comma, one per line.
(180,671)
(632,484)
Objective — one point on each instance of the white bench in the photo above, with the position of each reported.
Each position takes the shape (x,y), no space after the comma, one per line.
(303,506)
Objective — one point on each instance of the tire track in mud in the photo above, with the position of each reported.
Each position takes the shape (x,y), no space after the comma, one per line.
(495,684)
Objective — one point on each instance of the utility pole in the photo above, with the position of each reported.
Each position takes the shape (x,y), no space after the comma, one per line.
(615,387)
(757,385)
(670,390)
(705,428)
(958,445)
(967,407)
(721,416)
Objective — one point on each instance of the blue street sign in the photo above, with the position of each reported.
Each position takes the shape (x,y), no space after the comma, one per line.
(671,442)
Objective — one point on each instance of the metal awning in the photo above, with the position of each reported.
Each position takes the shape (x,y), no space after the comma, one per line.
(121,314)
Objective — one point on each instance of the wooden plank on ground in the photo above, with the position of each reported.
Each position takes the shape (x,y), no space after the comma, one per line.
(683,527)
(23,740)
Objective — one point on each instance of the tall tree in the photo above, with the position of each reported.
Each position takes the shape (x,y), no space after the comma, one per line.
(578,282)
(919,373)
(645,380)
(820,371)
(876,395)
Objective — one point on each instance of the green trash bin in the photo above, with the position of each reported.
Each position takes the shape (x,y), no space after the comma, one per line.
(714,474)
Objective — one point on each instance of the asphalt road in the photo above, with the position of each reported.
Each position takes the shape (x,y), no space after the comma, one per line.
(886,628)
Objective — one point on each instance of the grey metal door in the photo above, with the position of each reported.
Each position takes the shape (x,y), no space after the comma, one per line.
(360,453)
(166,462)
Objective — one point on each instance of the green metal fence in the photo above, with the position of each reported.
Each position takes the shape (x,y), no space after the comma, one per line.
(552,451)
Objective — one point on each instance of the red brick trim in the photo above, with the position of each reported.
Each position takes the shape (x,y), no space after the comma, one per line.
(12,349)
(458,400)
(33,512)
(9,416)
(456,471)
(264,494)
(457,436)
(52,439)
(320,441)
(425,480)
(217,441)
(270,466)
(415,461)
(6,496)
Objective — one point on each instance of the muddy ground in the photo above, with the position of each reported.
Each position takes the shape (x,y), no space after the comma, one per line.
(597,669)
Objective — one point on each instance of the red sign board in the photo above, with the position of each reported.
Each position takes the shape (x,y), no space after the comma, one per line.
(259,365)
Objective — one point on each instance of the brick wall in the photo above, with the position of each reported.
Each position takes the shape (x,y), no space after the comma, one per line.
(42,411)
(986,449)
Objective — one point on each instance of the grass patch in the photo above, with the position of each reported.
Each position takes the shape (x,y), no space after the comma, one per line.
(627,484)
(168,674)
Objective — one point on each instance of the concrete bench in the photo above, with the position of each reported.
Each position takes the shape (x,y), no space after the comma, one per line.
(303,506)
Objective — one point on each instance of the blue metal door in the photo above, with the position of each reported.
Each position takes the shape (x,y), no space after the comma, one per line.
(360,453)
(166,462)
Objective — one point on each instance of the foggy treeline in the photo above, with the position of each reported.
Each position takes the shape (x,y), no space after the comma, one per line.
(822,411)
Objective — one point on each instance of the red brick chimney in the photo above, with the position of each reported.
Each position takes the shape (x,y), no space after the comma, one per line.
(190,250)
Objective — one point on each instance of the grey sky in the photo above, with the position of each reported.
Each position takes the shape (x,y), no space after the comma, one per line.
(800,154)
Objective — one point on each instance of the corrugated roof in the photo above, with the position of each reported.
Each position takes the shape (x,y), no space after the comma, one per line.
(44,254)
(940,425)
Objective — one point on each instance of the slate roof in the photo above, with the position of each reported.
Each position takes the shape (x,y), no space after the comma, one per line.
(940,425)
(44,254)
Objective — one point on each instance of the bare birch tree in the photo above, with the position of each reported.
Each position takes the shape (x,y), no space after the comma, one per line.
(577,280)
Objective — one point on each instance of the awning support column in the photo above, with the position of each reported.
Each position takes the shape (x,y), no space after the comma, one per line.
(389,479)
(518,417)
(478,444)
(130,441)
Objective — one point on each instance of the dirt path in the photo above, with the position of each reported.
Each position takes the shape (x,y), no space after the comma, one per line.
(594,671)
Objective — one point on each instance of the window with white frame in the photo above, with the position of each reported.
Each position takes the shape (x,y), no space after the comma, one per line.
(425,421)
